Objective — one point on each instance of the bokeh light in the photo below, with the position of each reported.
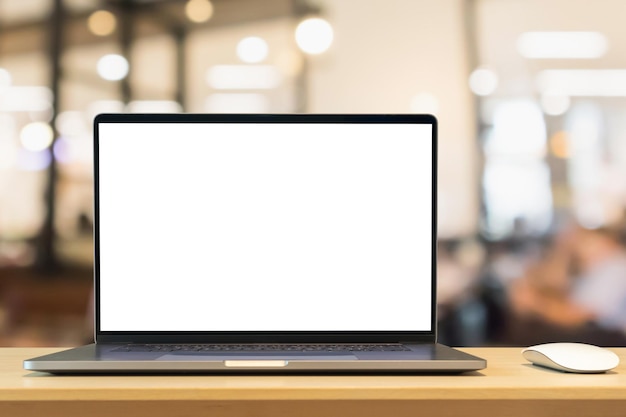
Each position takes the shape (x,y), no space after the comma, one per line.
(61,150)
(102,23)
(314,35)
(36,136)
(199,11)
(113,67)
(252,49)
(559,145)
(33,160)
(483,81)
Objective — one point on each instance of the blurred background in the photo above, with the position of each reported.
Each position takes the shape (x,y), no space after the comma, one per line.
(530,95)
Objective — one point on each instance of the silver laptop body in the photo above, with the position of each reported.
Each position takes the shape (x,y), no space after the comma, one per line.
(264,243)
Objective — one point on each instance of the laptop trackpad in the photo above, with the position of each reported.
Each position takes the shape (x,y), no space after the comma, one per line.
(221,356)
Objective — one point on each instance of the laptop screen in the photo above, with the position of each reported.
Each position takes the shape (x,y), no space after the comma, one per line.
(251,224)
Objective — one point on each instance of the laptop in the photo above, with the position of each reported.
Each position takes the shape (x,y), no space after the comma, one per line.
(264,243)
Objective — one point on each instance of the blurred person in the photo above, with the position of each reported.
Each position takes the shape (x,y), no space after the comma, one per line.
(580,285)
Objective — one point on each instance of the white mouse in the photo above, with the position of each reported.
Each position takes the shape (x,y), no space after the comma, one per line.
(572,357)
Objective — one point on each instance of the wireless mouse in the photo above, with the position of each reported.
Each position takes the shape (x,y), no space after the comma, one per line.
(572,357)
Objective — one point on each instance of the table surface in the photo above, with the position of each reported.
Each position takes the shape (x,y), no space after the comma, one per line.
(507,376)
(509,386)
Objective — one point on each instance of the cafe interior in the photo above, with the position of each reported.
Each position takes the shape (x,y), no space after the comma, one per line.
(530,96)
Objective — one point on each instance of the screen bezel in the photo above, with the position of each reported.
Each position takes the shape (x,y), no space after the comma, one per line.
(264,337)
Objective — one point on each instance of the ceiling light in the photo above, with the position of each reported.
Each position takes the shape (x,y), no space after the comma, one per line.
(314,35)
(562,45)
(36,136)
(252,49)
(199,11)
(113,67)
(102,23)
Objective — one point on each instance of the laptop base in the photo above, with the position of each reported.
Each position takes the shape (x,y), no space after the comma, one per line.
(100,359)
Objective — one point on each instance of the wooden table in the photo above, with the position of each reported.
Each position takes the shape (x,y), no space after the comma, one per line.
(508,387)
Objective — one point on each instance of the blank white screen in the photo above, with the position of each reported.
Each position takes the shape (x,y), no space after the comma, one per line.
(265,227)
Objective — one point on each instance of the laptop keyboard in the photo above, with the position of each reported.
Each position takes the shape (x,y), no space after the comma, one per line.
(392,347)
